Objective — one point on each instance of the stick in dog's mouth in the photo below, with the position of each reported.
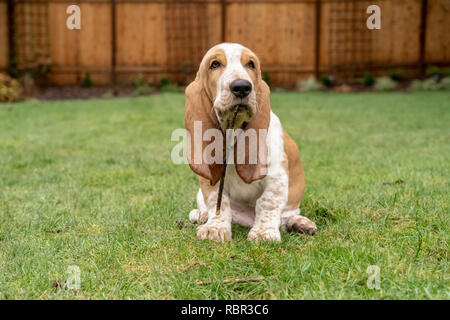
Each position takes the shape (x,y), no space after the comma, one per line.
(229,119)
(224,167)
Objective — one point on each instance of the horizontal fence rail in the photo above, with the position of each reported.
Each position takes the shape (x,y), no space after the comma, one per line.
(293,38)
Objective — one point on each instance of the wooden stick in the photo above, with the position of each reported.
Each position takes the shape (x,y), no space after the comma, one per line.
(195,264)
(237,280)
(224,167)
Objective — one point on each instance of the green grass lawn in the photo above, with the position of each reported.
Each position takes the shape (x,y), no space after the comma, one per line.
(90,183)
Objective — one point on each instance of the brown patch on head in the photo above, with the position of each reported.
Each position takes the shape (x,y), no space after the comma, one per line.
(249,59)
(210,76)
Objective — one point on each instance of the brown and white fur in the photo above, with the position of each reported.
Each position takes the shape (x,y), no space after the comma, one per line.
(263,200)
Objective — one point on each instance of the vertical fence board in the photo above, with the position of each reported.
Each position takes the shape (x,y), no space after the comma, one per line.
(398,39)
(214,24)
(3,36)
(94,42)
(324,35)
(64,48)
(437,44)
(141,38)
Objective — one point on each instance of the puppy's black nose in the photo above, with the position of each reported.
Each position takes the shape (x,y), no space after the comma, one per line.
(241,88)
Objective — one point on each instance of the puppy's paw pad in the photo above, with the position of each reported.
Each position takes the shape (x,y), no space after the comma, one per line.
(267,234)
(214,232)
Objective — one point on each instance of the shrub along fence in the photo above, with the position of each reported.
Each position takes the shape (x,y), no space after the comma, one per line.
(293,38)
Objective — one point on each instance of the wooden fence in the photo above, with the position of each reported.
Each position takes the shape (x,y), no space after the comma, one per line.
(293,38)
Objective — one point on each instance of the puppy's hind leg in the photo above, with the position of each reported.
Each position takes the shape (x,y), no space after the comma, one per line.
(292,221)
(199,215)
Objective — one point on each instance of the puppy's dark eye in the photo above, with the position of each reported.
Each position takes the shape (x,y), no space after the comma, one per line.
(214,65)
(250,65)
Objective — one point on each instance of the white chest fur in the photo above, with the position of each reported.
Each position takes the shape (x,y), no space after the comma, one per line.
(241,192)
(244,193)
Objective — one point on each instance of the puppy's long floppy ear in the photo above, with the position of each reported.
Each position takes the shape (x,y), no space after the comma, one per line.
(250,172)
(199,112)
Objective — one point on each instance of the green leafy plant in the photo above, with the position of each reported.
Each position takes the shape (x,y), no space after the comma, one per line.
(368,79)
(309,85)
(397,74)
(266,78)
(439,73)
(327,81)
(432,71)
(167,86)
(164,81)
(385,84)
(86,82)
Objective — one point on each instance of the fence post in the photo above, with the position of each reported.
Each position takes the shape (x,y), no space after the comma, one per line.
(317,44)
(12,58)
(113,47)
(423,32)
(224,19)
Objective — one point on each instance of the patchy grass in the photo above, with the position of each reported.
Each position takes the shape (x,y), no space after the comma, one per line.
(90,183)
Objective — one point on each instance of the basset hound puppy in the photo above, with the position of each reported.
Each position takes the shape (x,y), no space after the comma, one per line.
(264,194)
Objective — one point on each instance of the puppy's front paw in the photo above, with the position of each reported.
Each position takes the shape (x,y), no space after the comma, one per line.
(265,234)
(215,231)
(303,225)
(196,216)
